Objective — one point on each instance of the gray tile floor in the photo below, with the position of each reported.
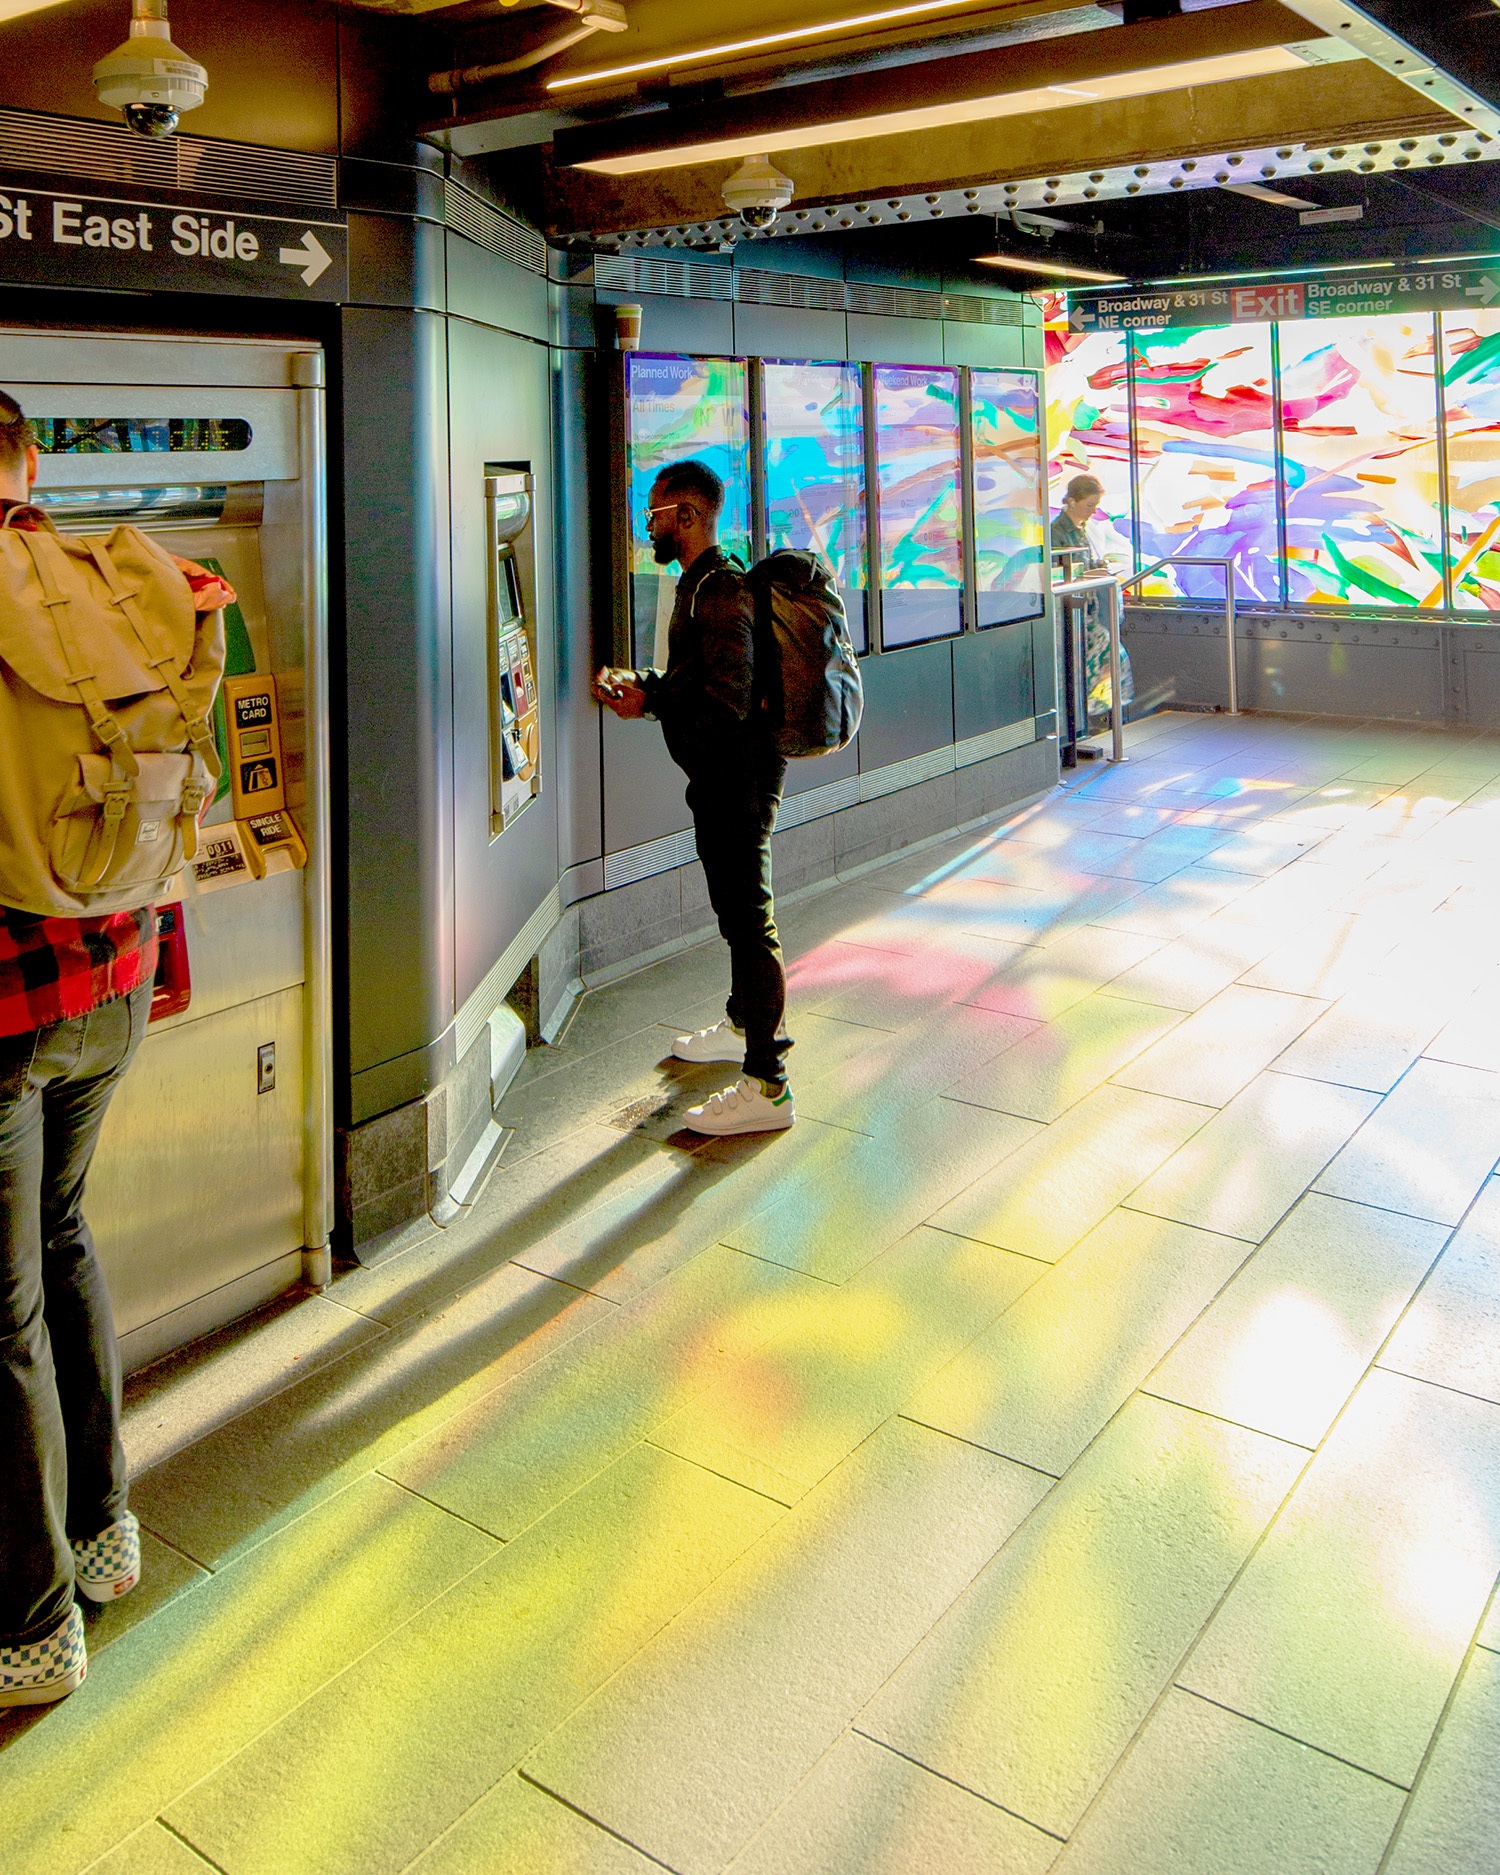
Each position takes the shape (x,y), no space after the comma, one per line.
(1076,1446)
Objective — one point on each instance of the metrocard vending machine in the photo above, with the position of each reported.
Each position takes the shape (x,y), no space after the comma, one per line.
(212,1188)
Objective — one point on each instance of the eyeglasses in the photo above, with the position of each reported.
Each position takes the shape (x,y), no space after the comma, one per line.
(665,507)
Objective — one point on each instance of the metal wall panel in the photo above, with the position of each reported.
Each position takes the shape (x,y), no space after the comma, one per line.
(789,332)
(500,410)
(992,679)
(399,710)
(908,704)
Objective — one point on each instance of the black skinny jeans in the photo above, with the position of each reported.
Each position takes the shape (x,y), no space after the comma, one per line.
(733,815)
(62,1467)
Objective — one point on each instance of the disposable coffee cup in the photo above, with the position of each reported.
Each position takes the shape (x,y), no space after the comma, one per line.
(628,328)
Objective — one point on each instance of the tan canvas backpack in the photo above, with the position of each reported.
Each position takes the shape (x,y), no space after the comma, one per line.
(108,676)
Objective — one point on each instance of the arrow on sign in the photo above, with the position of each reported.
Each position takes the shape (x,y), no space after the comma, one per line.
(1487,290)
(315,260)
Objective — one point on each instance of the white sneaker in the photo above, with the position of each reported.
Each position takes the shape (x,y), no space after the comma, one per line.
(743,1108)
(109,1565)
(723,1042)
(48,1669)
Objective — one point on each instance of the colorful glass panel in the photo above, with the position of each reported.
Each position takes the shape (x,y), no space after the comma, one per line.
(1360,460)
(1088,424)
(815,471)
(679,408)
(1471,395)
(917,469)
(1206,460)
(1009,517)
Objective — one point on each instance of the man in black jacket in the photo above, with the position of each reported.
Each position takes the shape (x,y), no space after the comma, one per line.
(705,701)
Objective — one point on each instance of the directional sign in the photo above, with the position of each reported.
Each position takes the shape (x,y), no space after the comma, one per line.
(311,257)
(51,237)
(1332,295)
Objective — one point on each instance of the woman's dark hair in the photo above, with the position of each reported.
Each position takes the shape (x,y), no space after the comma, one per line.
(15,434)
(693,479)
(1082,486)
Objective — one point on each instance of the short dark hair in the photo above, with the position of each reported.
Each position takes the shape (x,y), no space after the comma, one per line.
(692,478)
(1082,486)
(15,433)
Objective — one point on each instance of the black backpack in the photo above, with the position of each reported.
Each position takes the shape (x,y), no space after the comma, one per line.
(806,674)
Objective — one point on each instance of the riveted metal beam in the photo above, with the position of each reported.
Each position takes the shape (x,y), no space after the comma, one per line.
(1287,125)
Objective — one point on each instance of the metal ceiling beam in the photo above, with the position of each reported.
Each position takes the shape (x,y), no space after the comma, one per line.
(968,81)
(1052,154)
(1447,54)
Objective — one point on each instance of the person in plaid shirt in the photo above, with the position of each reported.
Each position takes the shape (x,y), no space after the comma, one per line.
(75,998)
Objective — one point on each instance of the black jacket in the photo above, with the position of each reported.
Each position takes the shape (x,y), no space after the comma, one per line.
(705,696)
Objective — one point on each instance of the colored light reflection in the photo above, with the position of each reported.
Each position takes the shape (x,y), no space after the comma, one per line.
(1471,396)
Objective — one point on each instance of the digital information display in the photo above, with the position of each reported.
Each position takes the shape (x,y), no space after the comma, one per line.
(1009,556)
(917,456)
(680,408)
(815,472)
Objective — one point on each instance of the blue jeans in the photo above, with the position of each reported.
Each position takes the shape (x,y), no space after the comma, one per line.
(62,1467)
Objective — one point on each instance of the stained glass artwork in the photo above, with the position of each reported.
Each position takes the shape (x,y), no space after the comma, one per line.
(680,408)
(1088,424)
(1009,519)
(1360,461)
(1206,460)
(1471,396)
(815,472)
(917,492)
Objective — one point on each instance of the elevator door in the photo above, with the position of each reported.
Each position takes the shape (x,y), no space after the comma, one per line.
(211,1191)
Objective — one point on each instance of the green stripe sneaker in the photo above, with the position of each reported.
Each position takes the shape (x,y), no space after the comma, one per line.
(744,1108)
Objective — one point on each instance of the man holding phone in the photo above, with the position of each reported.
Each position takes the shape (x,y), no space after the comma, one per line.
(705,703)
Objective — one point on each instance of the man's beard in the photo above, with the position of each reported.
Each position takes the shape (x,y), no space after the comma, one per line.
(664,549)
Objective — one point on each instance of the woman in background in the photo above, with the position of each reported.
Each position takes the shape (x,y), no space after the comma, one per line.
(1079,525)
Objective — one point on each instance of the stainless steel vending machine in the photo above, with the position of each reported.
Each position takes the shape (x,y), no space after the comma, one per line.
(212,1190)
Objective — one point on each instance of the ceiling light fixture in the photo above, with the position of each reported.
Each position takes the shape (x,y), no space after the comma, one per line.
(1257,192)
(1262,63)
(1060,268)
(17,9)
(732,48)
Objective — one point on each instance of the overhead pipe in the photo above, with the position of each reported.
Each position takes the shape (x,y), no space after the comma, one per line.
(597,16)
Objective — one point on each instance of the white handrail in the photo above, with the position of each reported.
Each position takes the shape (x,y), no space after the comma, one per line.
(1110,586)
(1227,566)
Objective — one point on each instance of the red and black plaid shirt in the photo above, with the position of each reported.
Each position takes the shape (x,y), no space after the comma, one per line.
(52,969)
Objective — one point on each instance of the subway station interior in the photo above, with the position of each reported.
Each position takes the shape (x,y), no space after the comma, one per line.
(1075,1444)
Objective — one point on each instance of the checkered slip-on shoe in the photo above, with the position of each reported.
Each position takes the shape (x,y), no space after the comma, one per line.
(44,1670)
(109,1565)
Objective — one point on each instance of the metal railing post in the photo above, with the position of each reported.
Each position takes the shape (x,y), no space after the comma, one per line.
(1230,624)
(1115,610)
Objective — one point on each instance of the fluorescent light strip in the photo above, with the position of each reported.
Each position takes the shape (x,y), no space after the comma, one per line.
(1281,273)
(1048,267)
(1118,85)
(18,9)
(731,48)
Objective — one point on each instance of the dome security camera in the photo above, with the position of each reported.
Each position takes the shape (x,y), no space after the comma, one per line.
(148,78)
(757,192)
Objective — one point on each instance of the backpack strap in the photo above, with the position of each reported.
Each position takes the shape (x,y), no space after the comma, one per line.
(125,769)
(162,659)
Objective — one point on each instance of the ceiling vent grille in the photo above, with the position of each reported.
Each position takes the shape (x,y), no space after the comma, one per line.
(71,146)
(759,286)
(764,286)
(969,310)
(470,215)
